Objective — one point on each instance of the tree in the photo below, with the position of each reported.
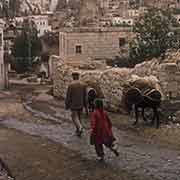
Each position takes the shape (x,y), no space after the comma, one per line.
(154,35)
(14,6)
(26,46)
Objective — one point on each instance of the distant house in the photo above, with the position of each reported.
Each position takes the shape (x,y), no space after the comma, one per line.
(122,21)
(2,66)
(94,43)
(42,24)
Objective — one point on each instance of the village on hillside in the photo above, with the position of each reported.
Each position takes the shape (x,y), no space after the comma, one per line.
(89,89)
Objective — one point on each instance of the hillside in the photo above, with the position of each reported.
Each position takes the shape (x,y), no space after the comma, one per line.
(12,10)
(83,11)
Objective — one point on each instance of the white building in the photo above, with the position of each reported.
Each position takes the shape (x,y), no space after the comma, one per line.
(133,12)
(19,20)
(42,24)
(122,21)
(2,66)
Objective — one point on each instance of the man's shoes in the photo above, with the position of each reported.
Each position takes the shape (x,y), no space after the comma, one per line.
(100,159)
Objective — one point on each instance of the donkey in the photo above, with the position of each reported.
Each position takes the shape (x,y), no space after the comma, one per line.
(151,98)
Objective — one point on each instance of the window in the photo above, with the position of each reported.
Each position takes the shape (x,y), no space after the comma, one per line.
(1,69)
(1,40)
(122,42)
(78,49)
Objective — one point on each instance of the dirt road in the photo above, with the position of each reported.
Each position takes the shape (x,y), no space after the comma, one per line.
(36,149)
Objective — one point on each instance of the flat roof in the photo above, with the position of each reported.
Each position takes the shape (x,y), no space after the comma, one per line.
(95,29)
(2,23)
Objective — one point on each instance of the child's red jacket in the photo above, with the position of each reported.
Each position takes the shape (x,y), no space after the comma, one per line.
(101,127)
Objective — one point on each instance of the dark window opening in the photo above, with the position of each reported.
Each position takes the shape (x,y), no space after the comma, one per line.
(122,42)
(78,49)
(1,40)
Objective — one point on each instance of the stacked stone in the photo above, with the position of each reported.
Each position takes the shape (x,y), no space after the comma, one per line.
(172,56)
(169,77)
(92,79)
(112,82)
(53,63)
(62,78)
(146,68)
(109,83)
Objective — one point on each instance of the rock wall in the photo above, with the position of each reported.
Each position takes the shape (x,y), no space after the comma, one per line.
(109,83)
(92,79)
(61,79)
(147,68)
(166,71)
(169,77)
(112,84)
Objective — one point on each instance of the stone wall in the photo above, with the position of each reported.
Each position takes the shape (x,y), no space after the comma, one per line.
(54,61)
(61,76)
(96,43)
(169,76)
(167,72)
(110,82)
(2,65)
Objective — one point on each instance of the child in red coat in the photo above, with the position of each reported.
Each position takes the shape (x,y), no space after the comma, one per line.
(101,130)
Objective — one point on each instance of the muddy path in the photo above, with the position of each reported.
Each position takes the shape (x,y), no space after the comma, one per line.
(135,156)
(36,158)
(138,157)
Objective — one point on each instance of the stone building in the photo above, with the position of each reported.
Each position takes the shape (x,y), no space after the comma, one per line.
(2,70)
(94,43)
(42,24)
